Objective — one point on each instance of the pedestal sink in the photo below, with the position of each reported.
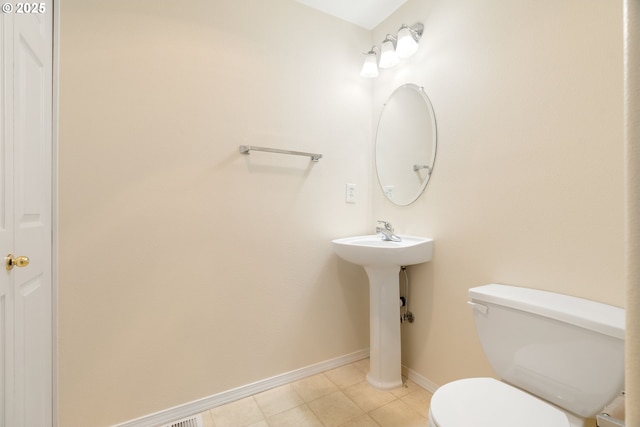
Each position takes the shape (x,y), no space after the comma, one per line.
(382,260)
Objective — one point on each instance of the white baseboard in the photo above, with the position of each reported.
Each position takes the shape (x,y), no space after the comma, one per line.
(204,404)
(423,382)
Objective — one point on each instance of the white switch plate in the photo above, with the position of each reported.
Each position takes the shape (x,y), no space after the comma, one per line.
(350,194)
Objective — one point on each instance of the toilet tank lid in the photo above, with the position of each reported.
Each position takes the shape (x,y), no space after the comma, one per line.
(591,315)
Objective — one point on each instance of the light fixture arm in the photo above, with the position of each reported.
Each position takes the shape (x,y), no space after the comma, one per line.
(375,50)
(392,39)
(416,30)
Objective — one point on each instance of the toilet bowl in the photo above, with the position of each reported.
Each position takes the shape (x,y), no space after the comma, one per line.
(560,358)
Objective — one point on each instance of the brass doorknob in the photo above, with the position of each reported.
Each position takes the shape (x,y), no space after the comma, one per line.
(21,261)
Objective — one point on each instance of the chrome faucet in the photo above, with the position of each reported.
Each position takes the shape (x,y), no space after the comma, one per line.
(386,232)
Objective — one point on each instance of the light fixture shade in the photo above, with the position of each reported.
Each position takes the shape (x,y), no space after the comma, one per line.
(370,66)
(407,44)
(388,56)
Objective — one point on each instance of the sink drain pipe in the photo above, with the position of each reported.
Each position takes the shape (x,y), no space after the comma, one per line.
(407,316)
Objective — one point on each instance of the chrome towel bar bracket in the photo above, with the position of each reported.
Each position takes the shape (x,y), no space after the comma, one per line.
(245,149)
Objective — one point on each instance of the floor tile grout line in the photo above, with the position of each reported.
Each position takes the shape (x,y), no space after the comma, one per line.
(338,385)
(264,417)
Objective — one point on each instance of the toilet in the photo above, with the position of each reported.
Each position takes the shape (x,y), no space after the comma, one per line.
(560,360)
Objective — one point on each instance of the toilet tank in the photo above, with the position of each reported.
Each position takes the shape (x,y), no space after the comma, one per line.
(566,350)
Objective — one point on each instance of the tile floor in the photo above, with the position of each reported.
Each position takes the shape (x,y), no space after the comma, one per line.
(337,398)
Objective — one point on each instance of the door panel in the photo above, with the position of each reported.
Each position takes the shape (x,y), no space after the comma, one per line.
(30,88)
(25,219)
(32,213)
(32,324)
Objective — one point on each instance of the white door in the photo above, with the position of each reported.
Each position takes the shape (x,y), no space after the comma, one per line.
(25,215)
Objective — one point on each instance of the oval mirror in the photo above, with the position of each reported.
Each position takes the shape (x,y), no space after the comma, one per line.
(405,144)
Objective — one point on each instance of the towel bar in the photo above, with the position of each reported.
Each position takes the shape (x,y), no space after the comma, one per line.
(244,149)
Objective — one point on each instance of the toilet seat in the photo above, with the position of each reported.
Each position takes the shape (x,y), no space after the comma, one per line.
(486,402)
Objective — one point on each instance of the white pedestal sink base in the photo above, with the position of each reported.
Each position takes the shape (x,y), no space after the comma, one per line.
(385,371)
(382,260)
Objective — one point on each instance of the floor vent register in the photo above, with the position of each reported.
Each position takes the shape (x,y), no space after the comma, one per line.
(194,421)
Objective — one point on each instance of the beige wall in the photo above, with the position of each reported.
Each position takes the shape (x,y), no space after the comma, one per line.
(528,182)
(187,269)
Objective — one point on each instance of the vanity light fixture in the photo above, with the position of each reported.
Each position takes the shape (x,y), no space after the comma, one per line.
(370,66)
(393,48)
(408,38)
(388,56)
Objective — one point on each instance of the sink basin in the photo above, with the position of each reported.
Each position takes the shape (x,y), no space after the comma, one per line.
(382,261)
(372,250)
